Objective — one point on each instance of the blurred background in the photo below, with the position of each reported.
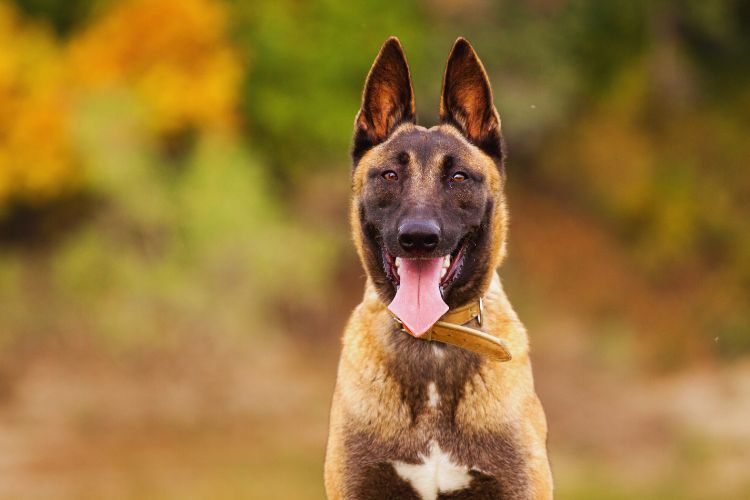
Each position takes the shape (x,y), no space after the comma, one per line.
(175,259)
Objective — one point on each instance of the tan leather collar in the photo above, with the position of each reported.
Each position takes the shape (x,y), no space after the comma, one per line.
(450,329)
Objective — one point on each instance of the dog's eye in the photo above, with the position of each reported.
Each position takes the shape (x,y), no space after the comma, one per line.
(390,176)
(459,177)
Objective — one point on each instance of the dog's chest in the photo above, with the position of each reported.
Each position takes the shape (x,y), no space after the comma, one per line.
(433,458)
(393,469)
(413,441)
(436,472)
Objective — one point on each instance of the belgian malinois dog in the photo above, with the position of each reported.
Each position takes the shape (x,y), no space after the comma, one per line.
(434,397)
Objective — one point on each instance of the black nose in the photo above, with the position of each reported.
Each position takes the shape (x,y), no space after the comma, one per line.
(419,235)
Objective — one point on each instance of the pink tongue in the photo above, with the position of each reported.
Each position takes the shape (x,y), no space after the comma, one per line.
(418,303)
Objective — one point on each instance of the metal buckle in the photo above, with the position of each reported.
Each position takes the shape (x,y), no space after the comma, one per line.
(481,311)
(399,323)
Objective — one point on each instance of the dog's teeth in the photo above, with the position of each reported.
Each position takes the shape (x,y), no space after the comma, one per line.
(443,272)
(447,261)
(398,261)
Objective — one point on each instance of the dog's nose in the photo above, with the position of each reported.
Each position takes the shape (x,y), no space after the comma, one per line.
(421,235)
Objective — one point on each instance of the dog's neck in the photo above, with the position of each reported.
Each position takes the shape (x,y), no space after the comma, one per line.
(383,354)
(498,319)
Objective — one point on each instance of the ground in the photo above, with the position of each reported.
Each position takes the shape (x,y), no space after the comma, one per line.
(247,417)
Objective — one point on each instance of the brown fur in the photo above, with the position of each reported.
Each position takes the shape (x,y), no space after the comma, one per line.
(488,417)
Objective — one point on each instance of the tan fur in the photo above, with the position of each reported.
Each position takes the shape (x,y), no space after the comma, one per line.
(499,398)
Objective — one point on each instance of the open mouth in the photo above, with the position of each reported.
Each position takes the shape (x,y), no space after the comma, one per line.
(420,285)
(450,266)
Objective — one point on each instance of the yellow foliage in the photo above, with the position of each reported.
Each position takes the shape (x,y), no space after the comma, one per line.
(36,158)
(172,53)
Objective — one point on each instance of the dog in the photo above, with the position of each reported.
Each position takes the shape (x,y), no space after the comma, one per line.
(434,396)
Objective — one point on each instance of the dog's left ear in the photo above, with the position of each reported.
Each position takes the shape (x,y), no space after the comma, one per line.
(387,100)
(466,100)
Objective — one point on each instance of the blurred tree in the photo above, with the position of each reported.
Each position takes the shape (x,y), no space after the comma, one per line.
(308,61)
(37,162)
(63,16)
(172,53)
(634,111)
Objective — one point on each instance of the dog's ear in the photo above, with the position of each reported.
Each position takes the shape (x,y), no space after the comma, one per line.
(466,99)
(387,100)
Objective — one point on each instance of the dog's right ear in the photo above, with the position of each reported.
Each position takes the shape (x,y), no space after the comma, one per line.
(387,100)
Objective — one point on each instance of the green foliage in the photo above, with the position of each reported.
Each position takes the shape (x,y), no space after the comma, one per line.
(307,64)
(195,249)
(64,16)
(210,209)
(636,111)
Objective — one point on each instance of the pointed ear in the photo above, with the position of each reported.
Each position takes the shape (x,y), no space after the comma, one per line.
(466,100)
(387,100)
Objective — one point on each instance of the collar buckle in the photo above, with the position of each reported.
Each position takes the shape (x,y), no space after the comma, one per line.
(399,323)
(481,311)
(471,339)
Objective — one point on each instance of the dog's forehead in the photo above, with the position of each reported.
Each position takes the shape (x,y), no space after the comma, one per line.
(424,145)
(427,148)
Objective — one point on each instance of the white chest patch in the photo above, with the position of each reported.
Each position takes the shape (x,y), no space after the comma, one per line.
(433,398)
(436,474)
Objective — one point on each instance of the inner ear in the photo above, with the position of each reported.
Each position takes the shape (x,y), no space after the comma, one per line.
(466,99)
(387,100)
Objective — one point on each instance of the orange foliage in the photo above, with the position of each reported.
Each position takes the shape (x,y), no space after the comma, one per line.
(172,55)
(36,158)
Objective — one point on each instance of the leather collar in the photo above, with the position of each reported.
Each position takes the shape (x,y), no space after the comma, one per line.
(451,329)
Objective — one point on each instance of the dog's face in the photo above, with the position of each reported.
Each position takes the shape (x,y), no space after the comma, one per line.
(428,203)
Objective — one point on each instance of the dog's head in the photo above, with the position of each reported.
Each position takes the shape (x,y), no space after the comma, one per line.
(428,212)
